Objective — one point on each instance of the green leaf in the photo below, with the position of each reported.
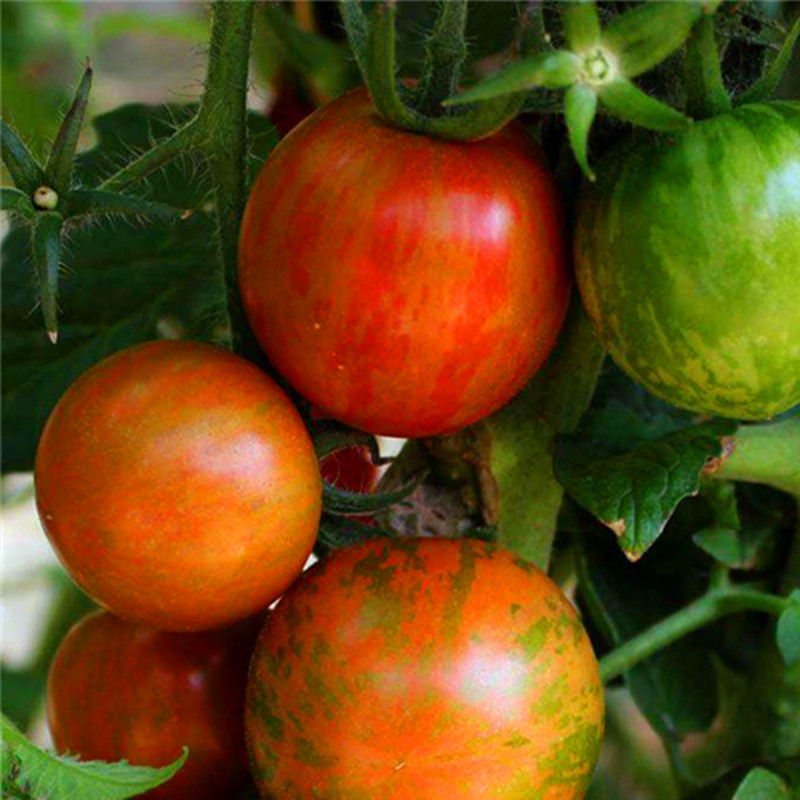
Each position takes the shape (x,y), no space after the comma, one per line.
(16,202)
(627,102)
(634,494)
(580,107)
(788,631)
(581,24)
(762,784)
(768,83)
(344,503)
(676,687)
(46,260)
(96,202)
(646,35)
(27,174)
(43,774)
(58,171)
(552,70)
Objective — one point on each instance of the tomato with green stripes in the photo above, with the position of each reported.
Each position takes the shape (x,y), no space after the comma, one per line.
(425,669)
(687,254)
(405,285)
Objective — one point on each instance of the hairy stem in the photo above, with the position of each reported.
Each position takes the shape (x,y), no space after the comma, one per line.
(187,138)
(223,113)
(716,603)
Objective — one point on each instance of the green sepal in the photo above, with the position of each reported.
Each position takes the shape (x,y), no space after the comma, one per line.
(768,83)
(553,70)
(96,202)
(705,91)
(329,439)
(646,35)
(627,102)
(46,258)
(581,24)
(24,169)
(788,630)
(345,503)
(58,172)
(337,532)
(580,108)
(16,202)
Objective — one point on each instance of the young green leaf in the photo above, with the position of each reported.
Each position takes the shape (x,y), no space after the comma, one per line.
(768,83)
(581,24)
(46,260)
(762,784)
(43,774)
(580,107)
(788,631)
(630,103)
(646,35)
(634,494)
(15,202)
(58,172)
(26,172)
(551,70)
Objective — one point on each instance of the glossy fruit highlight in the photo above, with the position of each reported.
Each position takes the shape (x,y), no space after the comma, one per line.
(405,285)
(687,254)
(424,669)
(118,690)
(179,486)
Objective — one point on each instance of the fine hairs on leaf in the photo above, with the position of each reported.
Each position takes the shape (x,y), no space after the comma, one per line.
(42,774)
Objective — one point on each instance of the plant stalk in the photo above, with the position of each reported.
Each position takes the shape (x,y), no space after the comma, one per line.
(715,603)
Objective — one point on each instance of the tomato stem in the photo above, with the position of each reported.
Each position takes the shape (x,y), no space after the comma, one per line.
(764,453)
(715,603)
(706,95)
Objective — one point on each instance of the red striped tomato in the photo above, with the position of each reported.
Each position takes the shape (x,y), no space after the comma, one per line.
(405,285)
(424,669)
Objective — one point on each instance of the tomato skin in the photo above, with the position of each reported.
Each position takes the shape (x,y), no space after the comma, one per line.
(405,285)
(423,669)
(179,486)
(687,254)
(117,690)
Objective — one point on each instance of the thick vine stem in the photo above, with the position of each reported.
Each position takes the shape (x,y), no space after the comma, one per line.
(223,115)
(764,453)
(380,75)
(718,601)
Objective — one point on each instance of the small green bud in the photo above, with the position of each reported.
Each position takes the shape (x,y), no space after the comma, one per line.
(45,198)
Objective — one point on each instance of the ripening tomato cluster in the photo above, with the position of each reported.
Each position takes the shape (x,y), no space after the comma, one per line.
(403,285)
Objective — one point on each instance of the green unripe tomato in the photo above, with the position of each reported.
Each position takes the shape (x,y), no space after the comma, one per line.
(687,253)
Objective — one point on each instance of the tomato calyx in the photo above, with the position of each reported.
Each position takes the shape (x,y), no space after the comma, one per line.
(599,67)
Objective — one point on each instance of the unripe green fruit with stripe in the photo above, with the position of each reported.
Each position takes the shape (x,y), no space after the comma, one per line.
(687,253)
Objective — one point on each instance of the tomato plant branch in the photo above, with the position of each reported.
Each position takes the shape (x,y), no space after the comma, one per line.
(185,139)
(718,601)
(764,453)
(223,113)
